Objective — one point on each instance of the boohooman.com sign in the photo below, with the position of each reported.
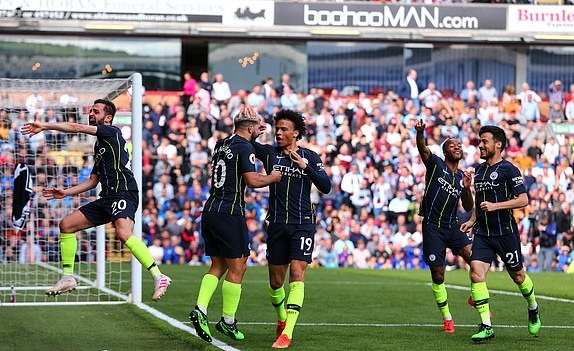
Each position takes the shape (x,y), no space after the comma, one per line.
(390,16)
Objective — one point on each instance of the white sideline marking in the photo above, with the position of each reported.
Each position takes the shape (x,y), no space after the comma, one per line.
(394,325)
(181,325)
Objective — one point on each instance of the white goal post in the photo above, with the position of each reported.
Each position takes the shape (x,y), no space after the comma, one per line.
(106,271)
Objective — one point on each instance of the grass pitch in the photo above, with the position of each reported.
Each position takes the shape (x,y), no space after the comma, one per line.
(344,309)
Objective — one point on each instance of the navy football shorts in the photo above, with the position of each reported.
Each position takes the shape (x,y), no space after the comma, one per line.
(224,235)
(108,209)
(287,242)
(507,247)
(436,240)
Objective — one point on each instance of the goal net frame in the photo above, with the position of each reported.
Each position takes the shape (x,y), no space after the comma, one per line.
(85,91)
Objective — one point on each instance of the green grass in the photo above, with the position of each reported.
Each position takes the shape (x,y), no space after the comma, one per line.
(344,310)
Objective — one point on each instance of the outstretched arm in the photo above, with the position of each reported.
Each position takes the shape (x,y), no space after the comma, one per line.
(33,128)
(424,151)
(55,193)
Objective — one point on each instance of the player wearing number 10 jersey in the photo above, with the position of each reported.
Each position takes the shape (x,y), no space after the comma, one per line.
(291,217)
(223,224)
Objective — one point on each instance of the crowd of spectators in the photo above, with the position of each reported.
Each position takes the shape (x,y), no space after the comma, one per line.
(369,219)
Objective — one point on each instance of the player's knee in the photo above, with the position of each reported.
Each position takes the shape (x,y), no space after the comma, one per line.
(67,226)
(438,277)
(477,277)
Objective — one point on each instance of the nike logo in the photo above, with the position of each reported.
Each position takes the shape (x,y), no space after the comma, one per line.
(306,254)
(280,156)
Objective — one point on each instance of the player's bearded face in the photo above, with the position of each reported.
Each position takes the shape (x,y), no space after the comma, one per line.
(96,115)
(486,146)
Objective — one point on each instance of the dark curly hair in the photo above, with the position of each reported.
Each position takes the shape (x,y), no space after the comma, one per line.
(295,117)
(498,134)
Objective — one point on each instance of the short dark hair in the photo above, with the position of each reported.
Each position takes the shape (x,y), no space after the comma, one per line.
(294,117)
(498,134)
(109,109)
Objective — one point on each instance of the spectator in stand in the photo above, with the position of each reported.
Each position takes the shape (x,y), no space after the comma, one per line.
(468,91)
(410,88)
(289,99)
(30,251)
(204,83)
(530,109)
(555,93)
(335,101)
(285,83)
(525,91)
(569,110)
(189,90)
(508,95)
(255,97)
(221,91)
(430,97)
(156,250)
(556,113)
(487,92)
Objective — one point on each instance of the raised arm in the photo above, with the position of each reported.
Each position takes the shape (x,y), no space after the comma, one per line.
(33,128)
(467,200)
(424,151)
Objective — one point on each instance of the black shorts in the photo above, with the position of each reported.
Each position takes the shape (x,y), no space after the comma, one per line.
(108,209)
(485,249)
(436,240)
(224,235)
(287,242)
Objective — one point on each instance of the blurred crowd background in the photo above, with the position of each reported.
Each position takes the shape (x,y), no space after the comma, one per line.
(369,219)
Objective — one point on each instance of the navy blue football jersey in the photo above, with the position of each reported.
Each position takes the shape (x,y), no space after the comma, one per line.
(497,183)
(232,157)
(290,199)
(112,162)
(442,194)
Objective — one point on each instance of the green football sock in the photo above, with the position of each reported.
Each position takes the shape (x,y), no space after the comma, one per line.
(527,290)
(142,254)
(231,295)
(480,296)
(206,291)
(294,303)
(277,299)
(441,298)
(68,248)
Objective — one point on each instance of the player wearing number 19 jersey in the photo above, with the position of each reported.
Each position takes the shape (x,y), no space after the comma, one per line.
(291,217)
(119,196)
(223,224)
(499,189)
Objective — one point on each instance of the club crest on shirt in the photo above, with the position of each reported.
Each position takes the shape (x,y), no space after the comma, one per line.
(305,160)
(493,175)
(252,158)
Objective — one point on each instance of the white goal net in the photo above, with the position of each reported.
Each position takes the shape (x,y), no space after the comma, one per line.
(29,227)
